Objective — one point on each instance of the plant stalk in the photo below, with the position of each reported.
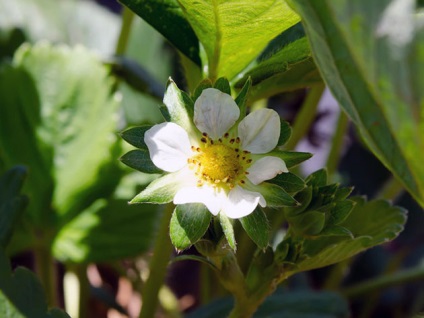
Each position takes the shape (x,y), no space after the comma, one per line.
(306,115)
(46,270)
(162,250)
(337,144)
(124,35)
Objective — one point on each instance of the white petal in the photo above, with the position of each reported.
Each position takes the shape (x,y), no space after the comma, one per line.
(259,131)
(242,202)
(169,146)
(266,168)
(215,112)
(211,197)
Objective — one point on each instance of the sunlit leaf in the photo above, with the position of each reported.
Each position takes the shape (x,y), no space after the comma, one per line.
(233,32)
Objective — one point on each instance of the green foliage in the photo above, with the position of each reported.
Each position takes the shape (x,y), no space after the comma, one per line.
(21,294)
(12,203)
(140,160)
(167,17)
(107,230)
(227,228)
(375,70)
(229,34)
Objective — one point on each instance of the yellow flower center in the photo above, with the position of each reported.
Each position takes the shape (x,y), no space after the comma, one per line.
(220,162)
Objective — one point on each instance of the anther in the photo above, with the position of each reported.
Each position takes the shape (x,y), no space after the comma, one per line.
(205,134)
(245,151)
(220,140)
(198,149)
(242,158)
(226,135)
(242,182)
(238,140)
(211,142)
(249,160)
(232,140)
(236,150)
(203,140)
(246,172)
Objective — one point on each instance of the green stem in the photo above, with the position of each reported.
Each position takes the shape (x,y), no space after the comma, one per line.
(161,254)
(401,277)
(338,138)
(47,272)
(76,290)
(306,115)
(127,18)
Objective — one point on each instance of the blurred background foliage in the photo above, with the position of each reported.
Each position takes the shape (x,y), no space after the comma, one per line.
(67,90)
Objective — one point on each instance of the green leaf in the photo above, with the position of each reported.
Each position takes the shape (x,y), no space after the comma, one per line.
(167,18)
(289,182)
(12,203)
(189,223)
(371,224)
(140,160)
(285,133)
(376,73)
(293,304)
(135,136)
(291,158)
(233,33)
(161,190)
(223,85)
(179,106)
(21,294)
(105,231)
(256,226)
(341,211)
(227,228)
(318,179)
(67,146)
(290,67)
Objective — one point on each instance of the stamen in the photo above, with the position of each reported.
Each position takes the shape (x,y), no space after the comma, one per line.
(203,140)
(238,140)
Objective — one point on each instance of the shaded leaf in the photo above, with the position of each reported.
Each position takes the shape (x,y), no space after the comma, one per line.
(375,70)
(285,133)
(291,158)
(107,230)
(21,293)
(189,223)
(223,85)
(167,18)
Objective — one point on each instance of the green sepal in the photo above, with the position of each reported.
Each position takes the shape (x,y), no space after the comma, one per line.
(274,195)
(336,230)
(256,226)
(161,190)
(189,222)
(340,212)
(285,133)
(223,85)
(135,136)
(309,223)
(139,159)
(342,193)
(197,258)
(318,178)
(227,228)
(242,97)
(179,107)
(204,84)
(291,158)
(289,182)
(304,197)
